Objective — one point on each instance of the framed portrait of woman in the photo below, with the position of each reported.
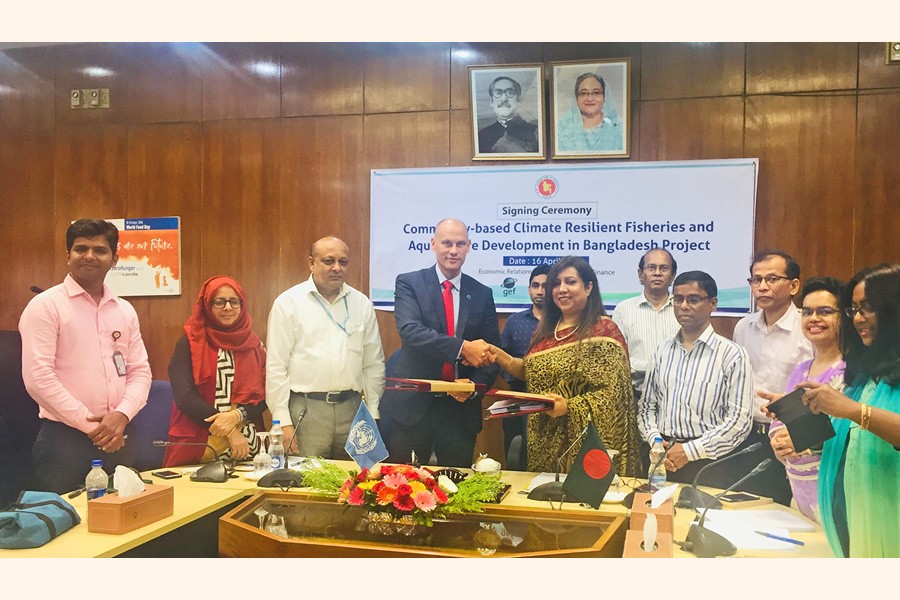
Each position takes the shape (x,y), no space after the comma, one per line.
(590,108)
(507,111)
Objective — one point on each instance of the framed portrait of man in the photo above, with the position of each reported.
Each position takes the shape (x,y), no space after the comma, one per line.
(507,111)
(590,108)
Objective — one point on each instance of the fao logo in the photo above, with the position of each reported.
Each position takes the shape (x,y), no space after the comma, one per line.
(547,187)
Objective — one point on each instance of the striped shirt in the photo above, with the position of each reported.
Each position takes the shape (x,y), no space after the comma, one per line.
(644,328)
(703,394)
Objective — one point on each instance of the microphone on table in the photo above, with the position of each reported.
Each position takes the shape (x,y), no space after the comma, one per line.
(705,543)
(553,490)
(215,472)
(285,478)
(691,497)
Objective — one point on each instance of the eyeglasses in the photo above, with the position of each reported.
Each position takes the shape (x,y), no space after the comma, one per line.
(590,93)
(509,93)
(822,311)
(769,279)
(221,302)
(866,311)
(691,300)
(660,268)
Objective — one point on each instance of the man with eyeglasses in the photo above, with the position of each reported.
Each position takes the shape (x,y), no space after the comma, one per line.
(323,355)
(510,133)
(648,319)
(774,340)
(698,392)
(84,363)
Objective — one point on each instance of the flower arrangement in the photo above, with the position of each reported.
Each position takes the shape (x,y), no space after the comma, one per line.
(404,492)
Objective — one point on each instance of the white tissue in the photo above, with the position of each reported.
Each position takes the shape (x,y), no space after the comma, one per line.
(650,528)
(127,482)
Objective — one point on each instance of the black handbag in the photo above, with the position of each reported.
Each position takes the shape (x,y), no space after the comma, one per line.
(34,519)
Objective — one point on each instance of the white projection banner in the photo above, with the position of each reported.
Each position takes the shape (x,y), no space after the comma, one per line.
(610,214)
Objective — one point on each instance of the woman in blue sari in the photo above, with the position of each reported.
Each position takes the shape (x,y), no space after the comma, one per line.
(859,478)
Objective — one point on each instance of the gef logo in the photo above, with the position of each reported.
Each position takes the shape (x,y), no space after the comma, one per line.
(547,187)
(509,286)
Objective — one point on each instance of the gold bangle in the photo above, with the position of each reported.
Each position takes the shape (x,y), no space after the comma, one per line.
(865,415)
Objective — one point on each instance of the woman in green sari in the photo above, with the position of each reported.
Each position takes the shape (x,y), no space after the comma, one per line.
(859,479)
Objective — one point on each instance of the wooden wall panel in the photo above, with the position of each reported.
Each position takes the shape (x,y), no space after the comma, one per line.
(240,209)
(691,129)
(323,192)
(164,180)
(26,90)
(688,70)
(89,66)
(806,149)
(164,82)
(464,55)
(322,79)
(873,72)
(240,80)
(91,173)
(32,252)
(407,77)
(876,204)
(795,67)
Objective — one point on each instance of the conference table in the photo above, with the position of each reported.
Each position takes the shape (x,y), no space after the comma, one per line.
(196,501)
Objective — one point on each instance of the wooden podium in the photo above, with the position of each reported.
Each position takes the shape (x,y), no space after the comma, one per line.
(321,528)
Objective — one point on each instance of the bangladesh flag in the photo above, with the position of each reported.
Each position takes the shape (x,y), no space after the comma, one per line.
(592,472)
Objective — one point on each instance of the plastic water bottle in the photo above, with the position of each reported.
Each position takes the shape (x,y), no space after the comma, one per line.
(96,481)
(276,445)
(657,476)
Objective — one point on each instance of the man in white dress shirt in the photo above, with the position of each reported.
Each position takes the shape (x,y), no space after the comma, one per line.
(773,338)
(648,319)
(323,355)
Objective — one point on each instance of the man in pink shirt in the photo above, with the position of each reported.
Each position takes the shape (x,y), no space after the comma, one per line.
(84,363)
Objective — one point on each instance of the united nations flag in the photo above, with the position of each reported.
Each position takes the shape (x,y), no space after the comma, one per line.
(364,444)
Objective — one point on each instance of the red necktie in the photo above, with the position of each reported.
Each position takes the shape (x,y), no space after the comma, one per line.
(448,373)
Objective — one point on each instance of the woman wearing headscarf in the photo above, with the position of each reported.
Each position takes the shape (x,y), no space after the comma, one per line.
(218,379)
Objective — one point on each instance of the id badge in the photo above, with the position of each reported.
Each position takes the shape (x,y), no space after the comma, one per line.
(119,361)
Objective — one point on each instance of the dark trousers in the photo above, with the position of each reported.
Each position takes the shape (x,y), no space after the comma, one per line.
(513,426)
(440,431)
(721,476)
(773,482)
(61,457)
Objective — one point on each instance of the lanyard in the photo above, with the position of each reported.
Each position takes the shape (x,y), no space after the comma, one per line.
(341,326)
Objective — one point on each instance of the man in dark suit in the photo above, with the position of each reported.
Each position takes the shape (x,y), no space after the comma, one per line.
(510,133)
(434,348)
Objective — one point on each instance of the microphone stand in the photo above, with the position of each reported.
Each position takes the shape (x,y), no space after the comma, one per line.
(553,490)
(705,543)
(691,497)
(215,472)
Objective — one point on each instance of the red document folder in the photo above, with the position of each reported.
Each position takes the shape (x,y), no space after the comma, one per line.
(514,404)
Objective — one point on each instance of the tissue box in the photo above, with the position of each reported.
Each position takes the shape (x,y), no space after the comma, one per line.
(111,514)
(634,541)
(665,514)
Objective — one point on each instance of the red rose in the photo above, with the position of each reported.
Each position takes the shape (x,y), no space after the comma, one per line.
(404,503)
(412,475)
(386,470)
(439,494)
(404,490)
(429,483)
(377,487)
(362,475)
(357,496)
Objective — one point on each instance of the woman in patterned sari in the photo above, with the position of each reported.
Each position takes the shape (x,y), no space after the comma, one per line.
(218,374)
(579,358)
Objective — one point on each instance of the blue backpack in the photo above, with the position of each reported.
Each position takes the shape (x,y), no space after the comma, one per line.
(34,519)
